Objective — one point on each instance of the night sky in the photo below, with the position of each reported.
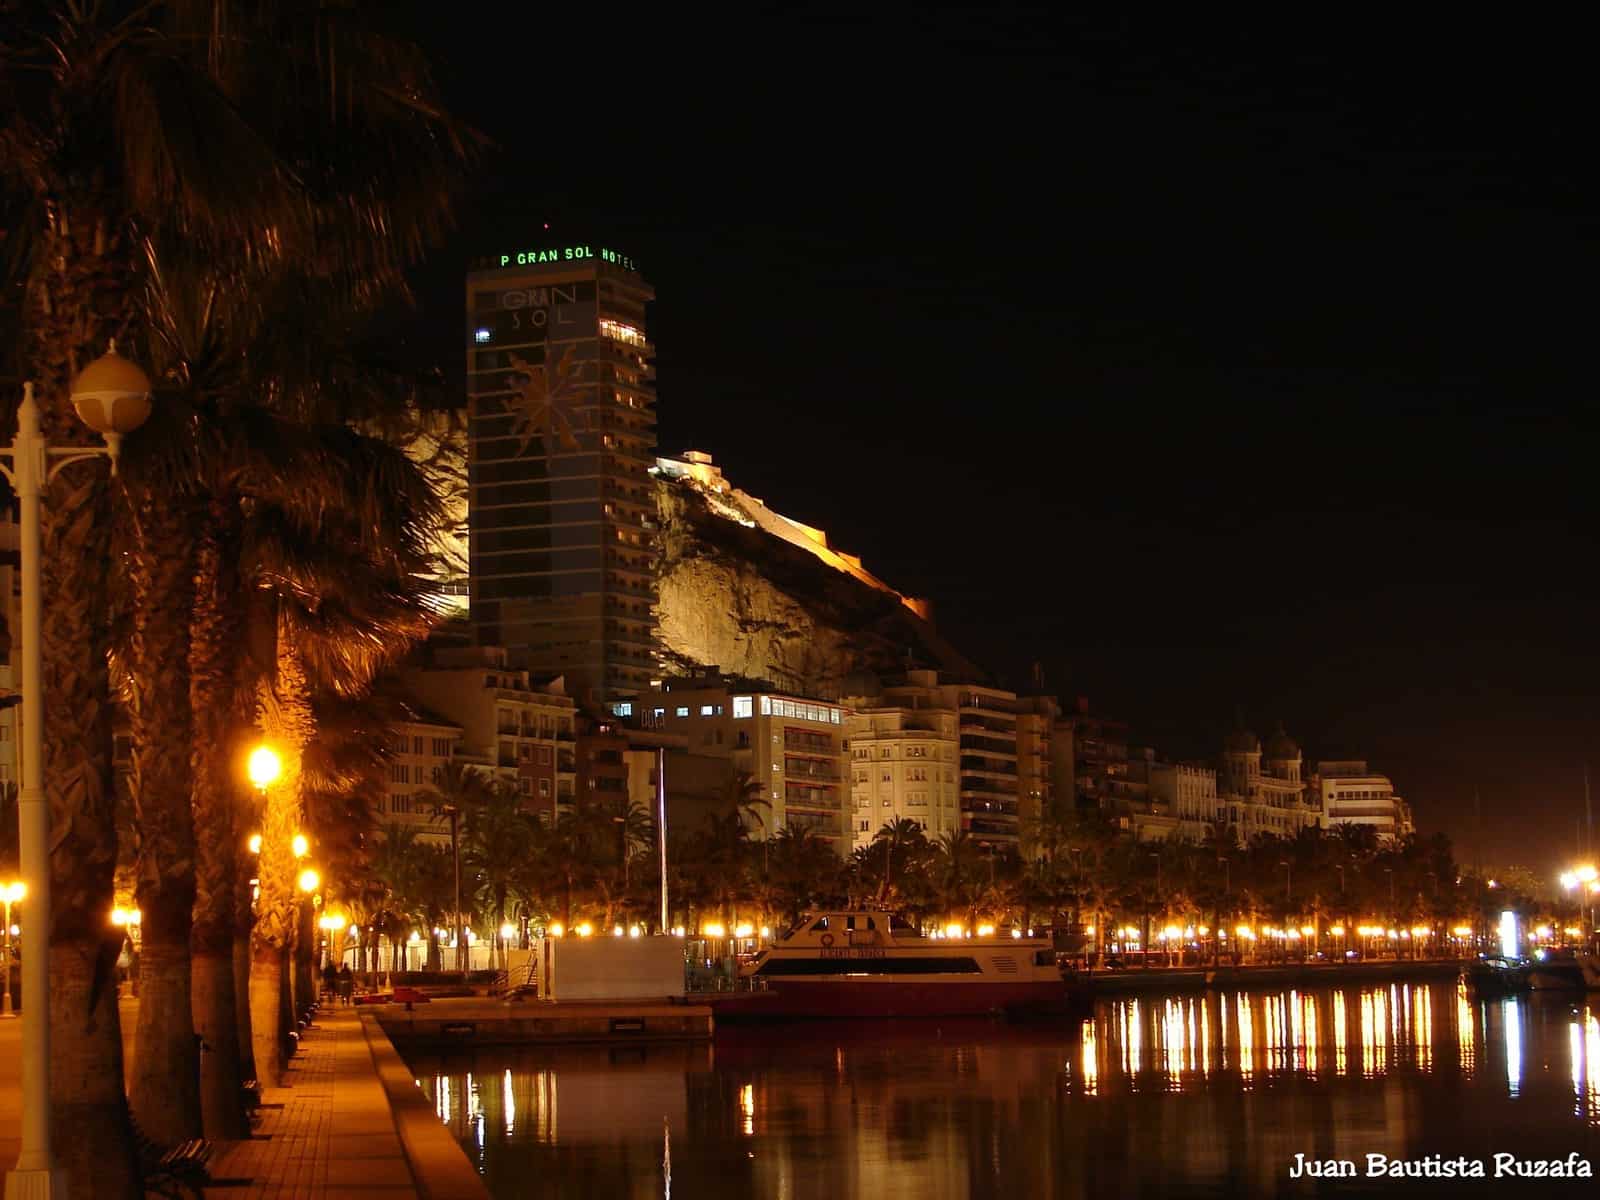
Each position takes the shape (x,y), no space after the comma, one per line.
(1214,370)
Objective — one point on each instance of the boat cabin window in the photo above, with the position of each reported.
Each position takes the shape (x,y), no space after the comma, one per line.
(850,923)
(897,923)
(820,924)
(1044,958)
(871,924)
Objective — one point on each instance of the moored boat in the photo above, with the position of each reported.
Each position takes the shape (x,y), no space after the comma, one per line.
(873,964)
(1495,975)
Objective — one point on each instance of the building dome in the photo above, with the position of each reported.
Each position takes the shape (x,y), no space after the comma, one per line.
(1242,741)
(1282,747)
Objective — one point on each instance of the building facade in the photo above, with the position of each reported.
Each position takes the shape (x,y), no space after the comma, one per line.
(561,405)
(1348,793)
(1004,755)
(1262,791)
(792,746)
(419,750)
(903,766)
(511,726)
(1183,802)
(1099,755)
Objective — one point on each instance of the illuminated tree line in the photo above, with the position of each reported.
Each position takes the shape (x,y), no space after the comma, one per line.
(230,191)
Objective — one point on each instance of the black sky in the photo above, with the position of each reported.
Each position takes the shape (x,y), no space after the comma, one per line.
(1211,368)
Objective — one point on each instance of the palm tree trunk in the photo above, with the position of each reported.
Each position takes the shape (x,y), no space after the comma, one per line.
(243,923)
(83,275)
(164,1091)
(288,725)
(216,631)
(305,940)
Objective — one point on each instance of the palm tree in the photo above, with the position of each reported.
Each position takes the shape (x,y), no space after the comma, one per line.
(958,878)
(801,863)
(220,717)
(142,128)
(164,1091)
(460,788)
(289,725)
(497,842)
(896,837)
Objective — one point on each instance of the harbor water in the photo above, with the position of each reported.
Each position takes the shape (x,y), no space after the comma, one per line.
(1198,1095)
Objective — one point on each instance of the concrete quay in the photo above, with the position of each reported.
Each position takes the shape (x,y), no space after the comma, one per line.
(488,1022)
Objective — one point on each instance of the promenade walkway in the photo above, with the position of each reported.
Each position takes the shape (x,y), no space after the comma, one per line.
(350,1123)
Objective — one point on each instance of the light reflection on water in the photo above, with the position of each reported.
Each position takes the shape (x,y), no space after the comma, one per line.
(1177,1095)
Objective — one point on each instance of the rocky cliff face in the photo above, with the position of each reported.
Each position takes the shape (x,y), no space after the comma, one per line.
(738,599)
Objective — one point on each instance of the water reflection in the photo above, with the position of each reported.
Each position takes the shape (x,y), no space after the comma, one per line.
(1178,1095)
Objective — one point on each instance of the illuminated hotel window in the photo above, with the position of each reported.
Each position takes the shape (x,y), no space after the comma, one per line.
(620,332)
(481,336)
(742,707)
(682,710)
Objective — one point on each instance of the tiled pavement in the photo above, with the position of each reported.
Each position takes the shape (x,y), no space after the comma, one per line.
(331,1133)
(334,1134)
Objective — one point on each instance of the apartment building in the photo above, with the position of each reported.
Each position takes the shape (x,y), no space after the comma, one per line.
(519,728)
(903,763)
(419,751)
(1004,764)
(793,746)
(1348,793)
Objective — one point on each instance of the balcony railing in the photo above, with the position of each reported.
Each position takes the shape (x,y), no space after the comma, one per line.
(796,769)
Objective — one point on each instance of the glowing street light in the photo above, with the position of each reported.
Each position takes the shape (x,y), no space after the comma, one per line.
(255,843)
(300,845)
(309,881)
(264,767)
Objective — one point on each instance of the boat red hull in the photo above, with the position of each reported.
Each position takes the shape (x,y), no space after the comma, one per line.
(823,998)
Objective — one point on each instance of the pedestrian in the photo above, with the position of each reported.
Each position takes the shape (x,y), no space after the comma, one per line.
(347,984)
(330,982)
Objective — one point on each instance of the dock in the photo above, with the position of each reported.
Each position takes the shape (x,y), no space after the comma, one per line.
(490,1022)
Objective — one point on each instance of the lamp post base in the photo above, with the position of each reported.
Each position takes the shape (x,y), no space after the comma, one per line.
(49,1184)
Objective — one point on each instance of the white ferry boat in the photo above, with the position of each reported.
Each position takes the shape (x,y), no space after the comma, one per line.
(873,964)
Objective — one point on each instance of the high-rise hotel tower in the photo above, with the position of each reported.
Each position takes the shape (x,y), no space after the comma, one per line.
(561,398)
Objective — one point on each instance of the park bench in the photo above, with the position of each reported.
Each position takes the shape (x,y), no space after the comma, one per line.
(176,1172)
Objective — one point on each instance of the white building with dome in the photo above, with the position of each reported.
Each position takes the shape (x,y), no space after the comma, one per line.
(1264,791)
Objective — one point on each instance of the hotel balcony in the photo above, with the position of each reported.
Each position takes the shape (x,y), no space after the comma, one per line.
(976,764)
(805,769)
(806,798)
(982,789)
(980,826)
(975,743)
(810,743)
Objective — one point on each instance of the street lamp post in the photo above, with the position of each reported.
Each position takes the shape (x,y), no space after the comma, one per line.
(112,397)
(661,828)
(10,893)
(454,813)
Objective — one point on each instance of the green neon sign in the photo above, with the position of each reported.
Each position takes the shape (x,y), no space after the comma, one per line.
(560,254)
